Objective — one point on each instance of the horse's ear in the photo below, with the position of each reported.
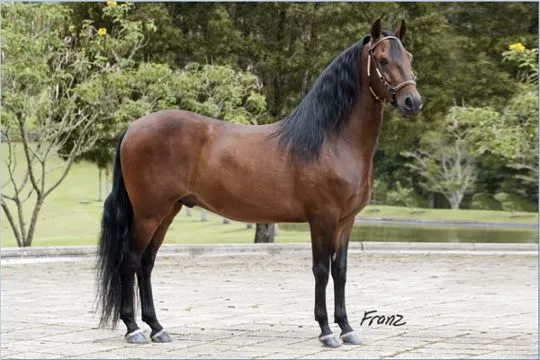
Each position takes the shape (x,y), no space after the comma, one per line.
(376,30)
(400,33)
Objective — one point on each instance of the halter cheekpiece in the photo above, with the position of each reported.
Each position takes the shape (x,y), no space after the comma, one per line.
(391,89)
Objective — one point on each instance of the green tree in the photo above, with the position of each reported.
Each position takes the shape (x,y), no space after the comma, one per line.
(129,88)
(42,79)
(512,134)
(446,165)
(111,44)
(457,58)
(219,92)
(526,61)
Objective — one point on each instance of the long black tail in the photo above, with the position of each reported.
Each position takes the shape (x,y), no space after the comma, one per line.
(113,243)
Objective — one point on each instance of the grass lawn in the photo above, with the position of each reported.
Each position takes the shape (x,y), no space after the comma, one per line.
(80,226)
(397,212)
(71,215)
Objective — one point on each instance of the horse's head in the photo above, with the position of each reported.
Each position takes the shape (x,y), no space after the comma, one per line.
(389,70)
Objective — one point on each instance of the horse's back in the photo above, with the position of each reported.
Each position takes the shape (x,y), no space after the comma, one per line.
(172,121)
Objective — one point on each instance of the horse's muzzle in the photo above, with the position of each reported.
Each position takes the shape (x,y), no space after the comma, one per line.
(410,104)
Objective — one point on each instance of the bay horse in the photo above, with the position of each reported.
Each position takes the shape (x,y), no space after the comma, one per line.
(314,166)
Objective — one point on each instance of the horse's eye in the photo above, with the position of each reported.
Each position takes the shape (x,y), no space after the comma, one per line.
(383,62)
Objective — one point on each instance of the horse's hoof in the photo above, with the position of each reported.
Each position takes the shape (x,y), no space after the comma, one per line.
(161,337)
(351,338)
(136,337)
(329,341)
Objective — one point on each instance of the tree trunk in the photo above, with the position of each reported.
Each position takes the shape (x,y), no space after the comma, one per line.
(308,50)
(276,105)
(22,223)
(264,233)
(431,201)
(107,180)
(33,221)
(455,200)
(204,218)
(100,198)
(11,221)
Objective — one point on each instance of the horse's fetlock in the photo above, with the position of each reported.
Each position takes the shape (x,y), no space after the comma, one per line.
(321,317)
(340,318)
(148,318)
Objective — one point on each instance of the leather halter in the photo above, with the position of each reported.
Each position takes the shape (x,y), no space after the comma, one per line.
(391,89)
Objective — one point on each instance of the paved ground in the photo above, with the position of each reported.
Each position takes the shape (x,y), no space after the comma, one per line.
(260,305)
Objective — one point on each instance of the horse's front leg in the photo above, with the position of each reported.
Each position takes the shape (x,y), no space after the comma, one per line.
(321,240)
(339,275)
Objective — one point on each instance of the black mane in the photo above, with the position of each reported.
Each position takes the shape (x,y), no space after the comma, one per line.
(325,108)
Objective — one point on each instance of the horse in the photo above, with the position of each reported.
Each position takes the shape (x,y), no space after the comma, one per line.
(314,166)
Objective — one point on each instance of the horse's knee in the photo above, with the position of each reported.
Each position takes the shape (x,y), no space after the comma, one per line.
(321,271)
(339,272)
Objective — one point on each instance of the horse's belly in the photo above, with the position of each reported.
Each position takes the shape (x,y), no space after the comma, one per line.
(248,207)
(243,177)
(250,194)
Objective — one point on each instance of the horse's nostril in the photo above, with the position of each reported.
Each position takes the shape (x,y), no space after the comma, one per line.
(408,102)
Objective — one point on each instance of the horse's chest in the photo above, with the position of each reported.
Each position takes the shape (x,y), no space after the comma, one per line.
(353,190)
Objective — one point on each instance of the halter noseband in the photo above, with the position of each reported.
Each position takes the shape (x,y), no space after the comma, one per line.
(391,89)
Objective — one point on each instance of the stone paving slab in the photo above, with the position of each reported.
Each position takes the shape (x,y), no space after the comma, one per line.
(455,305)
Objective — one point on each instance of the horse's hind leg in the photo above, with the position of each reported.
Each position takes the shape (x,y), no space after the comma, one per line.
(141,233)
(158,334)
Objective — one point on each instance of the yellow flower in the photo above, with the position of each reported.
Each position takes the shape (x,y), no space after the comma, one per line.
(112,3)
(102,32)
(517,46)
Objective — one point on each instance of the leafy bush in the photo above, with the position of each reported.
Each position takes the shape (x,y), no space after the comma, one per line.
(401,196)
(482,201)
(379,191)
(511,202)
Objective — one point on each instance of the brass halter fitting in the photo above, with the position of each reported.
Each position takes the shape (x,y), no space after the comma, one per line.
(391,89)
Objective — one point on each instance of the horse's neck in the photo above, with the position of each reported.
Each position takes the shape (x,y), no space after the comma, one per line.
(363,125)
